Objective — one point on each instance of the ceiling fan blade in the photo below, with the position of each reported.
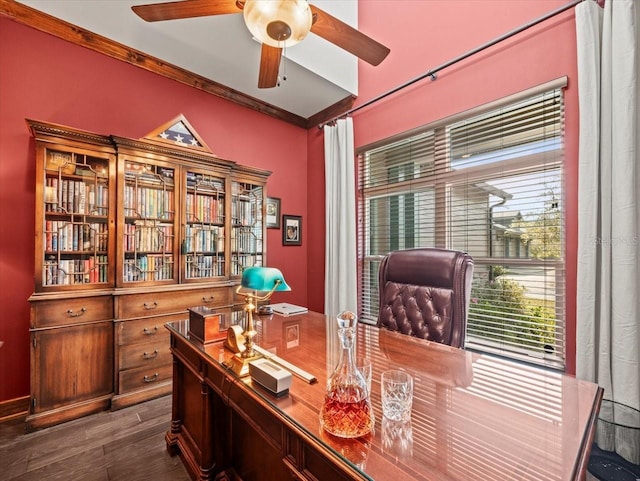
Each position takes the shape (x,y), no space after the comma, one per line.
(155,12)
(269,66)
(346,37)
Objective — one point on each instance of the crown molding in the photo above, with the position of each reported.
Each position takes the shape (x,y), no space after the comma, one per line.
(72,33)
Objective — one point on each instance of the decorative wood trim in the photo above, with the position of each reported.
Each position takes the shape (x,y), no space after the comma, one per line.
(14,408)
(331,112)
(254,172)
(85,38)
(67,413)
(120,401)
(176,152)
(55,132)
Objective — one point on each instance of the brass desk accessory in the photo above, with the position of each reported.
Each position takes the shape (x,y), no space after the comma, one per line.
(258,284)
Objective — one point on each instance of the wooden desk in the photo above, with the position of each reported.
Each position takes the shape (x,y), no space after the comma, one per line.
(475,417)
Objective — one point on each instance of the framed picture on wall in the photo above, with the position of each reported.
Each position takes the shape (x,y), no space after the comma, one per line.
(291,230)
(273,213)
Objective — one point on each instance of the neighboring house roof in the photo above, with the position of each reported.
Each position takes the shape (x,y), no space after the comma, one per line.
(493,190)
(504,219)
(509,215)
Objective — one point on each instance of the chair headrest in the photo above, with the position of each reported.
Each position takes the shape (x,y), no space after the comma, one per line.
(422,267)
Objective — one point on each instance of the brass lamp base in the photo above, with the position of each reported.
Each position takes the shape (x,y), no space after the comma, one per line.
(235,339)
(240,365)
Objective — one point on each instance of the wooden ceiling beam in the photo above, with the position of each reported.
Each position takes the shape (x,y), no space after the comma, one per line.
(85,38)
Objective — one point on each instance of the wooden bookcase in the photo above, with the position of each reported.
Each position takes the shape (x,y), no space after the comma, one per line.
(130,233)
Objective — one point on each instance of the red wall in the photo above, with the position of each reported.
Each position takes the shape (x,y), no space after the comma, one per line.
(47,79)
(423,35)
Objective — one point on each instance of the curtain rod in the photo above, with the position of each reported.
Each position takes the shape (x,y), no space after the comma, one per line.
(433,72)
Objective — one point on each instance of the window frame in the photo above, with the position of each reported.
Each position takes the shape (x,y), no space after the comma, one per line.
(440,184)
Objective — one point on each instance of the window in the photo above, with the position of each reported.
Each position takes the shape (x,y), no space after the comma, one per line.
(489,183)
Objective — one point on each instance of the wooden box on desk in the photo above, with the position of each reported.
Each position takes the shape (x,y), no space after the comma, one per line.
(205,323)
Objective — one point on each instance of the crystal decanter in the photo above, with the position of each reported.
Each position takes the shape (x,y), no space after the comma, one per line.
(346,411)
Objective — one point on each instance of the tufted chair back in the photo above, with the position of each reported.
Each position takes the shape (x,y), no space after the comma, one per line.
(425,293)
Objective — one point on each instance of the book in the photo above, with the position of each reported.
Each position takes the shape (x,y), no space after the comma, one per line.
(286,309)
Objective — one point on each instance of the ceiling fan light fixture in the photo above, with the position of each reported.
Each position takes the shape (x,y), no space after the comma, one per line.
(274,22)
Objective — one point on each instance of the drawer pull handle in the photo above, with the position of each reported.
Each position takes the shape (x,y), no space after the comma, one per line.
(149,332)
(207,299)
(153,355)
(153,378)
(81,312)
(149,306)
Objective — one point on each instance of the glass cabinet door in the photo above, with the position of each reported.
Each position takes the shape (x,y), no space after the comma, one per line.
(203,246)
(76,218)
(247,228)
(149,233)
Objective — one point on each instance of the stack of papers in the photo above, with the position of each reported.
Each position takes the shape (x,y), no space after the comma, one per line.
(286,309)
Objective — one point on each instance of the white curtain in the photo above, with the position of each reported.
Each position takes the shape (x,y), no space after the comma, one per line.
(608,290)
(340,285)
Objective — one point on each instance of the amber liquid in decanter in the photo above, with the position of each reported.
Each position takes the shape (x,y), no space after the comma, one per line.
(346,419)
(346,411)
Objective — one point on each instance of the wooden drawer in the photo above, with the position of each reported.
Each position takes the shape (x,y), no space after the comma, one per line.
(149,304)
(77,310)
(149,354)
(148,330)
(143,377)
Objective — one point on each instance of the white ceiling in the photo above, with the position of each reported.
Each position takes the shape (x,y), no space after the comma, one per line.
(221,49)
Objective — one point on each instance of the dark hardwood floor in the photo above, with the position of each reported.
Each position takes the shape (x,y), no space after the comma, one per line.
(125,445)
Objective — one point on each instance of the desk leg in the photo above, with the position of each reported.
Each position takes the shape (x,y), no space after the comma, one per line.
(176,408)
(207,458)
(192,428)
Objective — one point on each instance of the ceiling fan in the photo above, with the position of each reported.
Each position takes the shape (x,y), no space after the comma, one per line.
(275,23)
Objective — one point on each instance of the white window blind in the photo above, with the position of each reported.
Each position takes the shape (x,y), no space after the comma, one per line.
(489,183)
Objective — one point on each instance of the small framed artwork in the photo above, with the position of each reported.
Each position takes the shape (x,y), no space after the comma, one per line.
(291,230)
(273,213)
(291,334)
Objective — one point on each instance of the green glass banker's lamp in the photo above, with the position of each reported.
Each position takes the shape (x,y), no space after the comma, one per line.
(258,284)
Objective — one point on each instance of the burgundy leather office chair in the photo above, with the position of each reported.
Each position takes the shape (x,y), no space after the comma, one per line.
(425,293)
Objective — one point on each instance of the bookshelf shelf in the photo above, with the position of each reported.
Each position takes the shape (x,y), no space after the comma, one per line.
(130,233)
